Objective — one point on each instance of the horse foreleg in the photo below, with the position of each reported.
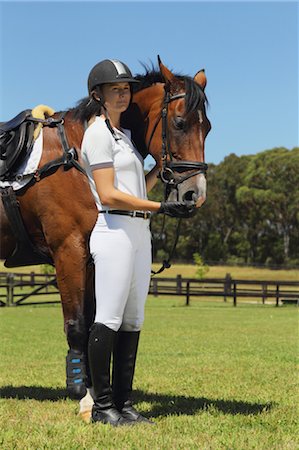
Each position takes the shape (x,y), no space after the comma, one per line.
(70,263)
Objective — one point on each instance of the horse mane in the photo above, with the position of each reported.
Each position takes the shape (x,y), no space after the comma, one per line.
(195,96)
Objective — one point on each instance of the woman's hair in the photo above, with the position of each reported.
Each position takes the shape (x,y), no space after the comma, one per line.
(89,106)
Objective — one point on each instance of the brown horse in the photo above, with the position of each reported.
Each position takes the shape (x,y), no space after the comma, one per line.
(168,112)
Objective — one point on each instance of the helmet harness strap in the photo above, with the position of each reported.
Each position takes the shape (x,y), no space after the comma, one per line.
(107,120)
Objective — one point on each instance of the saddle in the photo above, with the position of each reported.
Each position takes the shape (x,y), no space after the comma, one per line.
(17,137)
(16,141)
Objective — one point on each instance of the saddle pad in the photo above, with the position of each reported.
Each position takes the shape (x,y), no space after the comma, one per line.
(28,166)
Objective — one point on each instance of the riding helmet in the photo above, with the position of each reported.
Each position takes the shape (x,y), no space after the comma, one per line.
(109,71)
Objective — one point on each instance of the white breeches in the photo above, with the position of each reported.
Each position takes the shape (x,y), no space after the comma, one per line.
(121,250)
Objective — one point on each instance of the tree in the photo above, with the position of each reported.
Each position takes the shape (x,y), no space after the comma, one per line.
(270,196)
(251,213)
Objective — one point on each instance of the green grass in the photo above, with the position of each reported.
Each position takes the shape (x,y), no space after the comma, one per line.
(211,377)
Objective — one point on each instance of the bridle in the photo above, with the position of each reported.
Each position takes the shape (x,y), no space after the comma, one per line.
(169,166)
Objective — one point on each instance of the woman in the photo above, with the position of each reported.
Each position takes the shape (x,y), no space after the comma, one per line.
(120,242)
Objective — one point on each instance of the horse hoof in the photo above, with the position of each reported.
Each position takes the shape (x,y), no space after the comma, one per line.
(85,416)
(86,404)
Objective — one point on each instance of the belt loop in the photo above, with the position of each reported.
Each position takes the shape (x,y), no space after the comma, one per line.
(134,213)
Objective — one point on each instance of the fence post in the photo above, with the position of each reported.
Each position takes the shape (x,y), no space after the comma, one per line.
(227,285)
(179,284)
(47,280)
(277,295)
(155,287)
(10,289)
(235,293)
(264,289)
(32,278)
(21,281)
(188,293)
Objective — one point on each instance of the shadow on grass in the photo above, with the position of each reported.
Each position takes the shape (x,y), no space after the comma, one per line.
(33,393)
(161,404)
(164,405)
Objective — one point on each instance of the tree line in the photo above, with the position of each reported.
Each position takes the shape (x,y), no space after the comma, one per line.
(251,214)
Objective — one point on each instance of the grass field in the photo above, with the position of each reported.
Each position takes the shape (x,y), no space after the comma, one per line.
(210,376)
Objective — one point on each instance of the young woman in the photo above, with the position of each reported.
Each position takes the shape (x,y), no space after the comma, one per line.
(120,242)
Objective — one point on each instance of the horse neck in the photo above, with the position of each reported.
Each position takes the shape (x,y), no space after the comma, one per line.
(74,131)
(149,98)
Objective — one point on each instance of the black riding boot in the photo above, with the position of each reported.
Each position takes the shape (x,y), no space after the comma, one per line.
(100,346)
(124,359)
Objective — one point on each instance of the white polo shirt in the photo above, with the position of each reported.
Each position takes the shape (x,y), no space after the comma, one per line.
(100,150)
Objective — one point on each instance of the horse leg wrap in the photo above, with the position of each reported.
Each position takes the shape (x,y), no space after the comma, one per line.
(76,374)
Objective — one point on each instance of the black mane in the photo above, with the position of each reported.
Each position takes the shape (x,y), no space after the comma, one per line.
(195,96)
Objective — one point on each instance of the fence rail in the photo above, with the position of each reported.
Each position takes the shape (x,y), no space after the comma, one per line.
(16,289)
(279,291)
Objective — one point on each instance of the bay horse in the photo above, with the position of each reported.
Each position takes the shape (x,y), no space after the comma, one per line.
(167,111)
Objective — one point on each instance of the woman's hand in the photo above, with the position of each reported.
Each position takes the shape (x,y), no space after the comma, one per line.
(178,209)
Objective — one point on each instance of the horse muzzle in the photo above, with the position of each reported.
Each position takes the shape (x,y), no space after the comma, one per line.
(194,189)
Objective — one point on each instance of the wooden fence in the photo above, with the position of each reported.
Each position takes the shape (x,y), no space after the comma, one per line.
(279,292)
(16,289)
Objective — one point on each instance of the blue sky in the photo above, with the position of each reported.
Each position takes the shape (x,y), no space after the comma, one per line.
(248,49)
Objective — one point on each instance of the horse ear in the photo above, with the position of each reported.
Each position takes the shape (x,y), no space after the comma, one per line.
(167,75)
(200,78)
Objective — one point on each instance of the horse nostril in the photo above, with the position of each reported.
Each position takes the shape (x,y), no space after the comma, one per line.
(189,196)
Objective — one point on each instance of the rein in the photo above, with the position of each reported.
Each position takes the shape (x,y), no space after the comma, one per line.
(170,167)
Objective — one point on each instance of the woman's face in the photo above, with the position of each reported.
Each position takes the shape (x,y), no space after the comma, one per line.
(116,96)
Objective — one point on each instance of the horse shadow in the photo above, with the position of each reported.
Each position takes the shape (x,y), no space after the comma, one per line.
(161,404)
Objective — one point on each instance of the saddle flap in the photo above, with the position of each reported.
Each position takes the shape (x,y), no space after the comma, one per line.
(25,252)
(15,145)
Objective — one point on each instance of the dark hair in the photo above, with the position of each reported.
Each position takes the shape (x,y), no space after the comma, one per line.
(86,109)
(89,106)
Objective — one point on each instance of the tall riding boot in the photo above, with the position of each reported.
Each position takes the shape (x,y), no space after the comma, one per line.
(124,360)
(100,346)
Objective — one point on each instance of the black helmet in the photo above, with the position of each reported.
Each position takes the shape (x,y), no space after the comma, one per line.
(109,71)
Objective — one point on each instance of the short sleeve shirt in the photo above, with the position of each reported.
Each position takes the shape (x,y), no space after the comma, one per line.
(101,150)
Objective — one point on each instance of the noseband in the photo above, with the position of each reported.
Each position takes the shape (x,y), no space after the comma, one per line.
(169,166)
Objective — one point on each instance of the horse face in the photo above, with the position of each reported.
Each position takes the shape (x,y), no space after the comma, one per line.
(187,128)
(186,137)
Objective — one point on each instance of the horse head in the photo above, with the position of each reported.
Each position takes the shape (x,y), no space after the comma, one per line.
(173,108)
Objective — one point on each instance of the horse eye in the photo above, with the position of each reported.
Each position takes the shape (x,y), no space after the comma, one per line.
(179,123)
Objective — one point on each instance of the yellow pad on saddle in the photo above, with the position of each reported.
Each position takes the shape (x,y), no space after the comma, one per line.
(41,112)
